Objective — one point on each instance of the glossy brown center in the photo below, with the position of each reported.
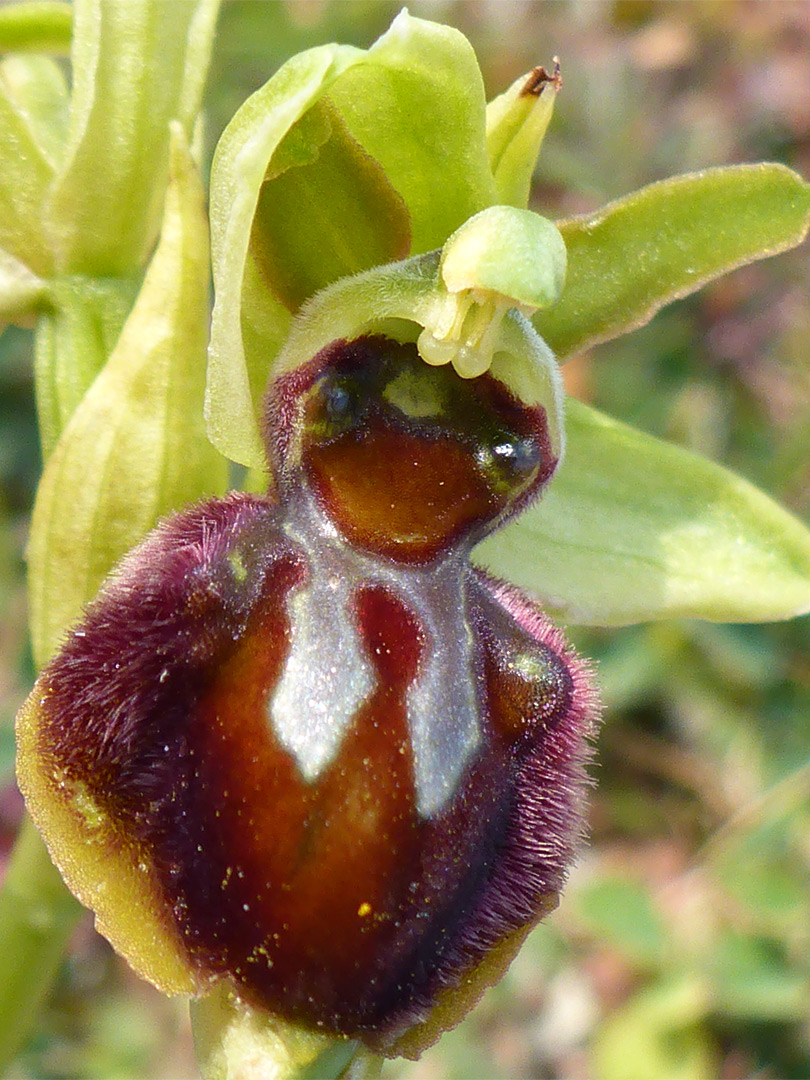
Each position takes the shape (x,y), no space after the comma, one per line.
(408,459)
(400,494)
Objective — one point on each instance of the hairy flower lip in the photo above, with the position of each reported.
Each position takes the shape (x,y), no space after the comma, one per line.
(443,812)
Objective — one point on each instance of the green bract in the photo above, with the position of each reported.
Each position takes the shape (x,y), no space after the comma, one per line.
(83,177)
(140,423)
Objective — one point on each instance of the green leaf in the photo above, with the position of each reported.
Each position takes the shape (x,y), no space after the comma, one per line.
(633,528)
(407,120)
(135,448)
(136,66)
(657,1034)
(36,26)
(663,242)
(516,125)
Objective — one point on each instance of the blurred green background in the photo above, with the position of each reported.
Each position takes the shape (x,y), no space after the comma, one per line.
(682,946)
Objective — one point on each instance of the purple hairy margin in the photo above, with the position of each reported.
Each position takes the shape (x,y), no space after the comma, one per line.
(546,824)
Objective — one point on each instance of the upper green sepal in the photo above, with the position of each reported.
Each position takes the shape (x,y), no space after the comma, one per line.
(345,159)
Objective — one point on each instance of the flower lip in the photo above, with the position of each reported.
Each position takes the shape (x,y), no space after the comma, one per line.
(407,460)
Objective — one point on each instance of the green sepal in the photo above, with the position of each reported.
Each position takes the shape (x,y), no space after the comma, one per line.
(36,26)
(516,124)
(136,66)
(633,528)
(26,174)
(139,426)
(413,105)
(328,213)
(240,163)
(417,105)
(628,259)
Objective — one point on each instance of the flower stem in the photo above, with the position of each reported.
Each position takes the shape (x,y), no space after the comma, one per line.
(37,917)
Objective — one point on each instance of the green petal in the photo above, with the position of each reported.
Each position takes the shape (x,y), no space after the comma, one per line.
(36,26)
(633,528)
(516,125)
(136,66)
(134,449)
(638,253)
(404,122)
(26,171)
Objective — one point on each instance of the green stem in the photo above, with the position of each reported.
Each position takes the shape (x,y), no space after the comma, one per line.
(37,917)
(233,1040)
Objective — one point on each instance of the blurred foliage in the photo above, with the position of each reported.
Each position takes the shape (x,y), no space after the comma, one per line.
(682,946)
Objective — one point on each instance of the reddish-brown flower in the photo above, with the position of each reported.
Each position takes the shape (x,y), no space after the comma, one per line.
(299,742)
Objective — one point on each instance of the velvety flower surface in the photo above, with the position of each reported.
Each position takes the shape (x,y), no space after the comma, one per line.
(299,743)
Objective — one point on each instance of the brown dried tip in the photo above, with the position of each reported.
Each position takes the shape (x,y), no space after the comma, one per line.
(539,78)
